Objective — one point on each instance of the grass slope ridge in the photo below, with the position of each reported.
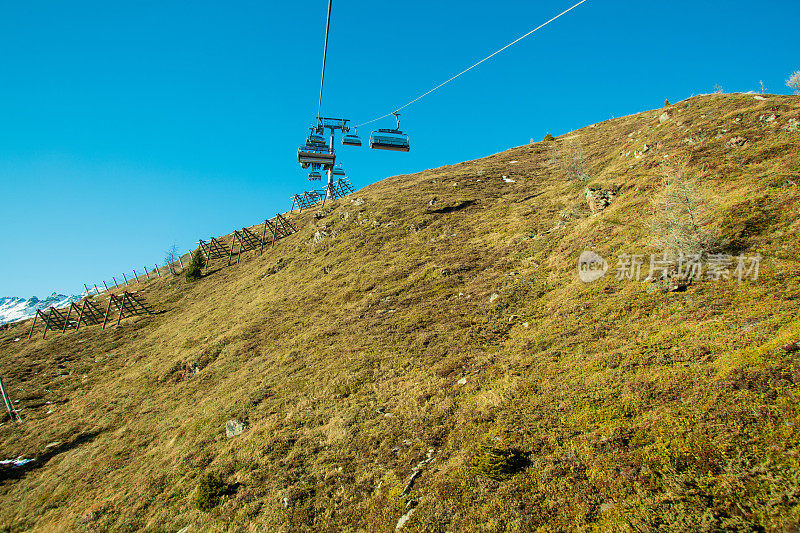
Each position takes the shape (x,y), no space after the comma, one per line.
(451,338)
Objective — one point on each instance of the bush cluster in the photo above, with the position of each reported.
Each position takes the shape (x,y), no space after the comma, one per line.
(209,491)
(498,463)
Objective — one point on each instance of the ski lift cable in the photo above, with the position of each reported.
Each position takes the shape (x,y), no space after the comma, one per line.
(420,97)
(324,58)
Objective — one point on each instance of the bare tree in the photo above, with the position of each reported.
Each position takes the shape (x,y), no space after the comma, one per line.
(575,164)
(170,257)
(794,82)
(682,216)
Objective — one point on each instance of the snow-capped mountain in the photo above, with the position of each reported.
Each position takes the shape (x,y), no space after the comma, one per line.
(13,309)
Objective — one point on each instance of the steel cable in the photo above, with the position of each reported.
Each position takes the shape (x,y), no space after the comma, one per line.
(324,58)
(420,97)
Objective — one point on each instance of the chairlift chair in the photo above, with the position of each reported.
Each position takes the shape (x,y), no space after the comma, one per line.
(315,137)
(390,139)
(315,154)
(338,170)
(314,175)
(351,139)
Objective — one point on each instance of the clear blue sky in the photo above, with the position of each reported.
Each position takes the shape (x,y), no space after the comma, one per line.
(125,126)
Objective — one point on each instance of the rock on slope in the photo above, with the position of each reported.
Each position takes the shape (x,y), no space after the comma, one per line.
(443,356)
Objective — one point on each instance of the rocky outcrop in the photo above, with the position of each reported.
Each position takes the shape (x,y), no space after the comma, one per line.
(599,199)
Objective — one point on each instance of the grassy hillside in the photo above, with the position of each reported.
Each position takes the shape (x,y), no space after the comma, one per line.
(435,323)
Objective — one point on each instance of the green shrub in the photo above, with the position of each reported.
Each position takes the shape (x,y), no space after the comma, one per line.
(666,103)
(498,463)
(209,491)
(195,269)
(548,137)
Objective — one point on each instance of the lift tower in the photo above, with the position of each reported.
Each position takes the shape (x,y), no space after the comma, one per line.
(334,125)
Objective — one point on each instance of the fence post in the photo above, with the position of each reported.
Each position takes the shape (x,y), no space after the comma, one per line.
(157,270)
(146,273)
(87,288)
(125,278)
(180,261)
(104,285)
(115,281)
(96,290)
(11,411)
(135,277)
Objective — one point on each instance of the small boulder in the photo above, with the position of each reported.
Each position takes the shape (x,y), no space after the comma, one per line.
(607,506)
(675,284)
(736,141)
(234,427)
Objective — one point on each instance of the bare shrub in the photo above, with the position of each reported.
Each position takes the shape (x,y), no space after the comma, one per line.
(170,257)
(794,82)
(682,216)
(553,154)
(573,161)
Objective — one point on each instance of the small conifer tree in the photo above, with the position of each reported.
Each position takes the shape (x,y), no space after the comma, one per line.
(666,103)
(195,269)
(548,137)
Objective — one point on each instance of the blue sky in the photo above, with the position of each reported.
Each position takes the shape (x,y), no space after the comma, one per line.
(125,127)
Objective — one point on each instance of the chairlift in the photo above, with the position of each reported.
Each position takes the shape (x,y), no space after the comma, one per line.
(390,139)
(314,175)
(351,139)
(315,137)
(315,154)
(338,170)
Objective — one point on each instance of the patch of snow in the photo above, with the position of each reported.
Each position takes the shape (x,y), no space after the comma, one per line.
(508,180)
(759,97)
(404,519)
(19,461)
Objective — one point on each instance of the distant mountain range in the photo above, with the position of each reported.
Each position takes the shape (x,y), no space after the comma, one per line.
(13,309)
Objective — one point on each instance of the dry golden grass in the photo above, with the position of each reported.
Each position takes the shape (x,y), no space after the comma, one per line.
(382,346)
